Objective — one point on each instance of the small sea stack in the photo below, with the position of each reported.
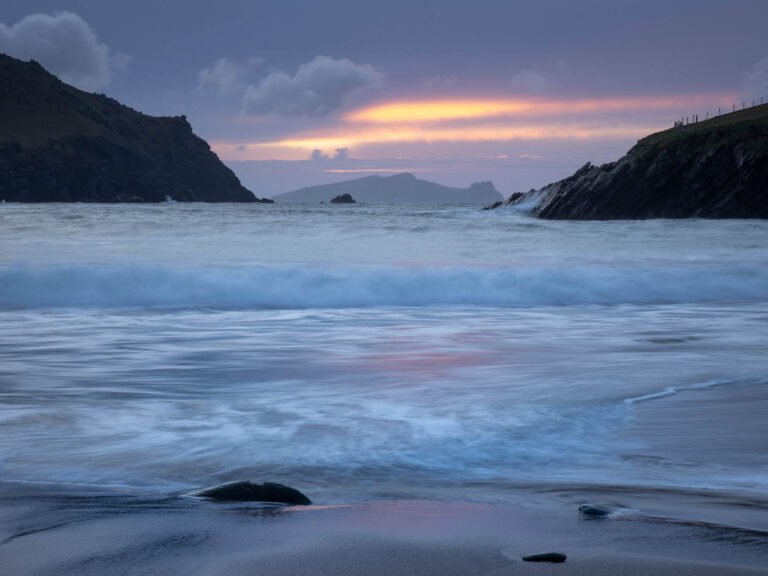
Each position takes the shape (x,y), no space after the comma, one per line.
(343,199)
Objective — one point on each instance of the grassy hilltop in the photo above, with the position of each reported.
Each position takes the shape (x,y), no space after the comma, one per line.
(746,117)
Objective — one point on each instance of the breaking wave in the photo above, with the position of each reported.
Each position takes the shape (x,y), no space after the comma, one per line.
(301,287)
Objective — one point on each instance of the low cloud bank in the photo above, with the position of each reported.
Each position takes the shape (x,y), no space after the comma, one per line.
(318,88)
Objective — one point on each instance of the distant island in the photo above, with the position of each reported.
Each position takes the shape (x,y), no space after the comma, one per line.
(60,144)
(397,189)
(343,199)
(717,168)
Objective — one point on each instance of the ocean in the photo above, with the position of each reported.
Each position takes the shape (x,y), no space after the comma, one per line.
(365,353)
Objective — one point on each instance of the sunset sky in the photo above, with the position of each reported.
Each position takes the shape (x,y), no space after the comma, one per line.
(298,93)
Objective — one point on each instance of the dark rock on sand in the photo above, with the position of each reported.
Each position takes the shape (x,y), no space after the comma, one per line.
(253,492)
(554,557)
(60,144)
(592,511)
(343,199)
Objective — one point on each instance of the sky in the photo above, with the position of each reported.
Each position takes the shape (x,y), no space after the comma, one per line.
(519,92)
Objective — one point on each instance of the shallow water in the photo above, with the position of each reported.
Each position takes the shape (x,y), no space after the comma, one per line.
(376,352)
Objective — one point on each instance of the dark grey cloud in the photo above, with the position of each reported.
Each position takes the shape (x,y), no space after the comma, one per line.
(65,44)
(341,154)
(320,156)
(226,77)
(318,88)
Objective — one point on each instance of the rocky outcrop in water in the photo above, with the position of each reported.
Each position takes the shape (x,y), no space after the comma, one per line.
(712,169)
(343,199)
(60,144)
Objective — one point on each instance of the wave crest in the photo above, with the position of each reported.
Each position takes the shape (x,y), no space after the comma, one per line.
(300,287)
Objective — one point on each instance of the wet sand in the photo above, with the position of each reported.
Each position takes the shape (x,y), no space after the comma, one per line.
(43,533)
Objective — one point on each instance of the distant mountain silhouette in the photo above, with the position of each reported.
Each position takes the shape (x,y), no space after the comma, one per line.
(398,189)
(60,144)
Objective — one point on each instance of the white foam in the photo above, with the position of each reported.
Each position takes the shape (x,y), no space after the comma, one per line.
(706,385)
(669,391)
(301,287)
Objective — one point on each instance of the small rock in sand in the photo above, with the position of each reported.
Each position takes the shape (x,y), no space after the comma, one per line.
(593,511)
(253,492)
(554,557)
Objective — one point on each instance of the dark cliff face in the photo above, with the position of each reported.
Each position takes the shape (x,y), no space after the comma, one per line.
(59,144)
(712,169)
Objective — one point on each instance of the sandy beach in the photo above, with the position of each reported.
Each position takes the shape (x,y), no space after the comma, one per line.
(392,288)
(82,534)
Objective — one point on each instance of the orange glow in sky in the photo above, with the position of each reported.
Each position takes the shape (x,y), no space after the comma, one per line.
(478,133)
(299,147)
(478,120)
(446,110)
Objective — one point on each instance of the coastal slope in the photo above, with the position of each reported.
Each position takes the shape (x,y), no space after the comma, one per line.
(402,188)
(712,169)
(60,144)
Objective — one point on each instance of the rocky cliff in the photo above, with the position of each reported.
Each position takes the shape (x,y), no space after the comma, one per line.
(59,144)
(712,169)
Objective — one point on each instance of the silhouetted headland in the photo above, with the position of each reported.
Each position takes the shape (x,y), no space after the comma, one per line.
(717,168)
(60,144)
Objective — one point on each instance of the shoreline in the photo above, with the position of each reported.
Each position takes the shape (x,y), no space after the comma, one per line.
(113,534)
